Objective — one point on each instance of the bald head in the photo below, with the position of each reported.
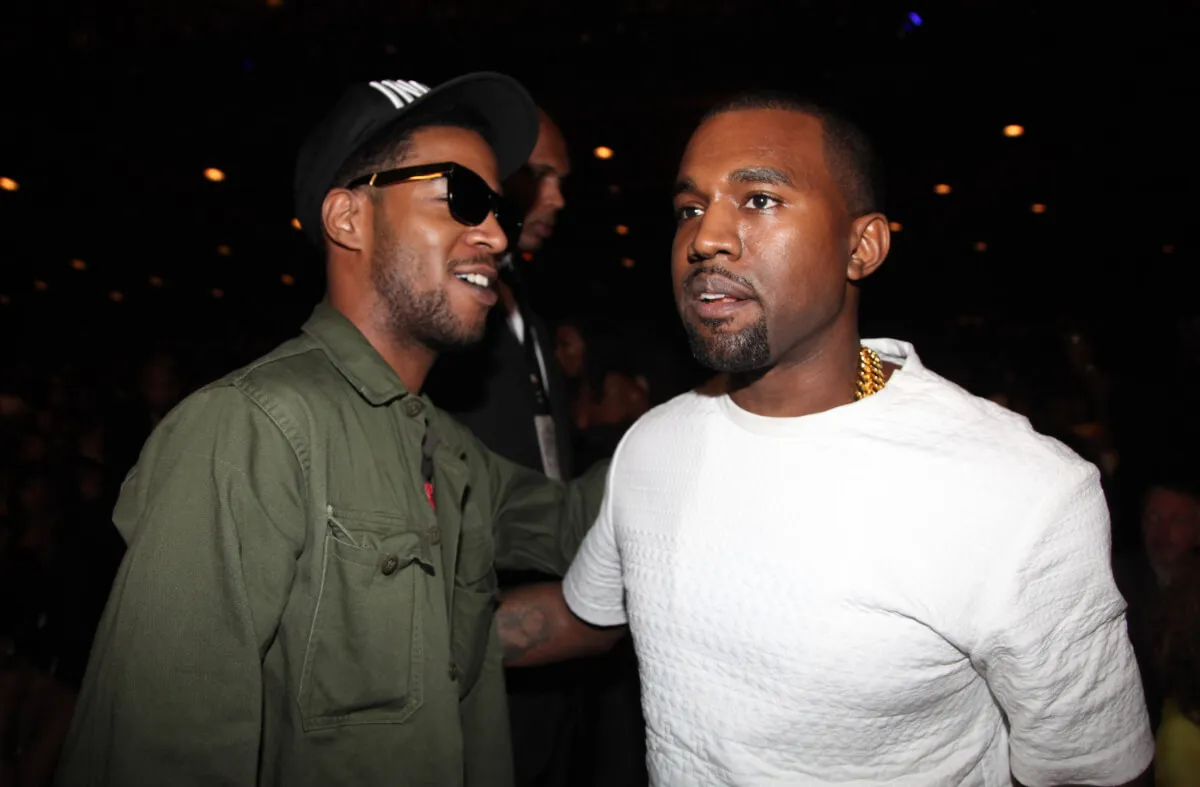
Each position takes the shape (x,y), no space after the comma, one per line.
(548,165)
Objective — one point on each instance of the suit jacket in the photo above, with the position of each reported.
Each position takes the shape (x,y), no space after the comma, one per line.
(487,389)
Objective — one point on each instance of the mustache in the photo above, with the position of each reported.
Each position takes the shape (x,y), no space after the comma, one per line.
(478,259)
(717,270)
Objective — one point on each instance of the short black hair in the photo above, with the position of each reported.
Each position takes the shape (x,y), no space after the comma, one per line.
(851,155)
(388,148)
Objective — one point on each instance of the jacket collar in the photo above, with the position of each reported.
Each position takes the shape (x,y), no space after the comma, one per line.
(350,352)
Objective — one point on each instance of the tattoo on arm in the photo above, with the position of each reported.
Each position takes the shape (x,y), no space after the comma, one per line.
(523,628)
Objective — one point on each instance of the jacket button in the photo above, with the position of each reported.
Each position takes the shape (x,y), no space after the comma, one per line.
(390,565)
(453,671)
(413,406)
(435,535)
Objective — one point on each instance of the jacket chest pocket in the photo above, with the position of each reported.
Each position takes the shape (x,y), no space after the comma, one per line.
(476,597)
(363,663)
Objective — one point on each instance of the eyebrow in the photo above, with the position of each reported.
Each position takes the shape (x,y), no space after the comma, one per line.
(684,186)
(768,175)
(748,175)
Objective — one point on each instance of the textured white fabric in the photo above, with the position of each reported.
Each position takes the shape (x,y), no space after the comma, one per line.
(853,597)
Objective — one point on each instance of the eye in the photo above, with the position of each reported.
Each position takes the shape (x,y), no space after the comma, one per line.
(761,202)
(687,212)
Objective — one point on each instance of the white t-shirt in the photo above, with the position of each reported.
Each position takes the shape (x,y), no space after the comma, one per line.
(862,596)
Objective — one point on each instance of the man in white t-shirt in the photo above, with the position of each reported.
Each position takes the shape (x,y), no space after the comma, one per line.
(837,566)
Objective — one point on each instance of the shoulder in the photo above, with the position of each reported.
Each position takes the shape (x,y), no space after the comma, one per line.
(298,368)
(994,448)
(256,403)
(971,423)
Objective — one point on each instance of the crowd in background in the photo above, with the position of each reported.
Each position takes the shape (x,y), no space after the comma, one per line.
(71,428)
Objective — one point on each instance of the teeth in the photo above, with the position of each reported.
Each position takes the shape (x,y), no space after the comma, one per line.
(478,279)
(711,296)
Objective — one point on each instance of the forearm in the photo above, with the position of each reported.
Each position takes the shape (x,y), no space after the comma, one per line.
(536,627)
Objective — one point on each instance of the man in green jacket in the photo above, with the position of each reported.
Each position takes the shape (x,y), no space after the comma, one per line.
(309,589)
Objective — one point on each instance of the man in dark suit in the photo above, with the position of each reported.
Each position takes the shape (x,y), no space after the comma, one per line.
(509,391)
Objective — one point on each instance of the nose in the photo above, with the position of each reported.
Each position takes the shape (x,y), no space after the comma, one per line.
(552,196)
(716,234)
(488,236)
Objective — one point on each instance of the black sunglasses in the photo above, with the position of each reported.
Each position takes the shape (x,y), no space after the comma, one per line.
(471,198)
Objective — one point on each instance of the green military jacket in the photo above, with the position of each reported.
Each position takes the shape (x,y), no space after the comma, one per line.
(292,610)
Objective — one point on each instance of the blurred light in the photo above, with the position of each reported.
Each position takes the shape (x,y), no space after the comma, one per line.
(1014,130)
(915,18)
(218,292)
(8,184)
(116,296)
(628,262)
(527,256)
(79,265)
(224,250)
(980,246)
(614,189)
(1169,249)
(274,3)
(622,229)
(288,279)
(296,223)
(895,226)
(603,153)
(156,281)
(40,285)
(214,174)
(1038,207)
(941,188)
(390,49)
(4,301)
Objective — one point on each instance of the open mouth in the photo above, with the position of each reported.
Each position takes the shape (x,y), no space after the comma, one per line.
(480,285)
(718,305)
(477,279)
(717,297)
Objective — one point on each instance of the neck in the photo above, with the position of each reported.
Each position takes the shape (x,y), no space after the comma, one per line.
(410,360)
(812,380)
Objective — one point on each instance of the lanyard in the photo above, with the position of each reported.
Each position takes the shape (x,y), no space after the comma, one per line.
(541,396)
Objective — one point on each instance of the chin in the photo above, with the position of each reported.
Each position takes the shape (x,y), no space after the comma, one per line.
(746,350)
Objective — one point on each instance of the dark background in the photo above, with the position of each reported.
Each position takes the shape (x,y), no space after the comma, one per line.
(113,110)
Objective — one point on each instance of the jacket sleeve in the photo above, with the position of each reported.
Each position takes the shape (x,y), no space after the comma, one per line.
(214,520)
(540,523)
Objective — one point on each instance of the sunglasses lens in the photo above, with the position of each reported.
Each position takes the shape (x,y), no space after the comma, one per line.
(470,197)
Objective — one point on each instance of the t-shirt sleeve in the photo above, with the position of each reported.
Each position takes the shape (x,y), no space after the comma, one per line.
(594,588)
(1056,653)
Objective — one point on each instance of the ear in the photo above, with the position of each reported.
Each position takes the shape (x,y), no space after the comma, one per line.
(870,240)
(347,217)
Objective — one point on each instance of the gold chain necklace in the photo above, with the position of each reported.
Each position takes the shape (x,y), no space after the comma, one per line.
(870,374)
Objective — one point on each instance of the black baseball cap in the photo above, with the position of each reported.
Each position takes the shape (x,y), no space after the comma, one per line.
(366,108)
